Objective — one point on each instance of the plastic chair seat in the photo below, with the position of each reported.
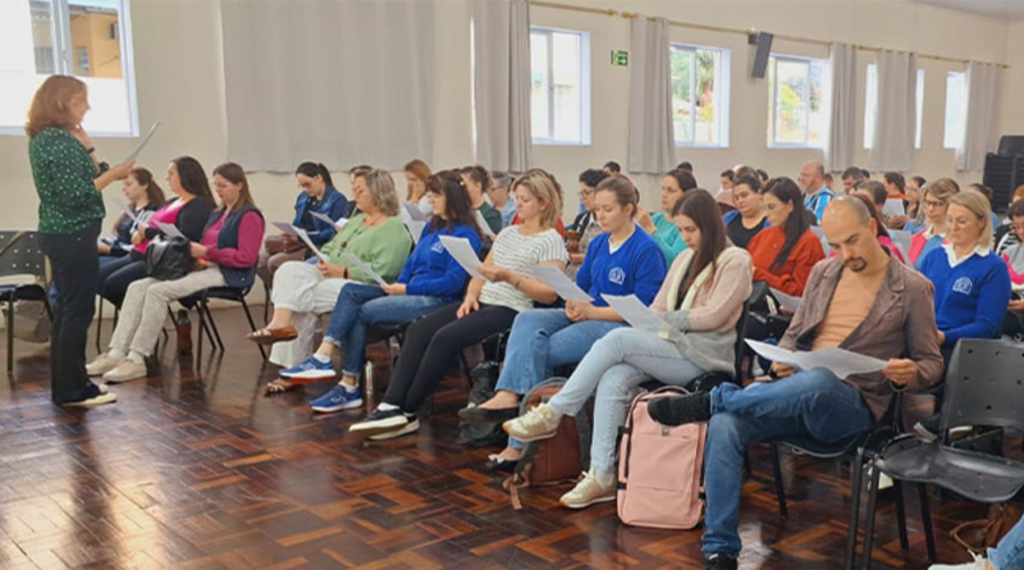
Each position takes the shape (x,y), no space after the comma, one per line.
(977,476)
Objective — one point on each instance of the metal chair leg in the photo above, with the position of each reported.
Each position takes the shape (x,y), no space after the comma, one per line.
(199,337)
(780,490)
(99,325)
(926,518)
(212,324)
(252,326)
(10,334)
(869,526)
(266,303)
(856,484)
(901,515)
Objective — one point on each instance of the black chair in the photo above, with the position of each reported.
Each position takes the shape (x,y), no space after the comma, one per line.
(201,303)
(984,387)
(20,254)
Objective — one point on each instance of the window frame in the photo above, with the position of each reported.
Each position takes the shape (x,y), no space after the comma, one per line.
(65,60)
(773,62)
(918,102)
(584,87)
(721,95)
(961,76)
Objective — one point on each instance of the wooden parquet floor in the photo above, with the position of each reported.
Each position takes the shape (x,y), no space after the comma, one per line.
(194,469)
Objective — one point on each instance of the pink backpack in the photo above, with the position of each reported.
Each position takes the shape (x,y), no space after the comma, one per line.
(660,468)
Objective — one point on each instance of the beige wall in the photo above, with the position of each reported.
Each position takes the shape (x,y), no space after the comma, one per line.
(180,81)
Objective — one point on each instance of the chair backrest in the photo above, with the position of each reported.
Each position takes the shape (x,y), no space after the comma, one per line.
(20,254)
(740,348)
(984,385)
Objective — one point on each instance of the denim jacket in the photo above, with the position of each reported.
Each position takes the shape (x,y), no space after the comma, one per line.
(333,205)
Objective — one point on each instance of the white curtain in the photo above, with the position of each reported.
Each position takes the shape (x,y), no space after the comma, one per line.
(651,138)
(980,124)
(842,139)
(343,83)
(501,84)
(896,119)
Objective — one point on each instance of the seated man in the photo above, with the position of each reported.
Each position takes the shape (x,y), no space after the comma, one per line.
(861,301)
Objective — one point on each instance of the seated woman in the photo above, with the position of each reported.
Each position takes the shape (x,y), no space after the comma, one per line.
(305,289)
(226,257)
(623,260)
(935,201)
(477,179)
(660,225)
(585,225)
(144,197)
(784,253)
(1013,323)
(431,278)
(416,175)
(188,211)
(748,219)
(881,233)
(318,196)
(915,211)
(702,298)
(489,307)
(501,196)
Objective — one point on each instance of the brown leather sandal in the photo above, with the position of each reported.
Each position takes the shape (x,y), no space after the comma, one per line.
(271,336)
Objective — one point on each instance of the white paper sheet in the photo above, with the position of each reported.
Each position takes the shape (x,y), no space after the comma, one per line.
(787,302)
(354,260)
(561,283)
(170,230)
(484,226)
(416,229)
(462,251)
(340,223)
(142,145)
(893,208)
(842,363)
(414,213)
(309,243)
(901,238)
(285,228)
(638,315)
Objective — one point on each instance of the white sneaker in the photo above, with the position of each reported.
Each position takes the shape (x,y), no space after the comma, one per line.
(539,423)
(127,370)
(977,564)
(411,427)
(104,363)
(102,398)
(590,490)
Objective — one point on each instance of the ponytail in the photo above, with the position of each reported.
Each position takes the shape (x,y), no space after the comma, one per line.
(314,169)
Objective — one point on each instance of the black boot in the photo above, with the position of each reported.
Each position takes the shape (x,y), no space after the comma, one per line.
(679,410)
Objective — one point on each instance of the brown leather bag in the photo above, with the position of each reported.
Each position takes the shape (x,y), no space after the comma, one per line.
(549,461)
(282,244)
(980,535)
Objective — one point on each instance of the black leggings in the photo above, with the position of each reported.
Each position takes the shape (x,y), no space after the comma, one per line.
(116,276)
(430,345)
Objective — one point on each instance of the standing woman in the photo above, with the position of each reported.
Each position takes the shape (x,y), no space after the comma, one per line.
(68,178)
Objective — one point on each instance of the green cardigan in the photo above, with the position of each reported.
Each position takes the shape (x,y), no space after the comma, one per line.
(63,172)
(384,248)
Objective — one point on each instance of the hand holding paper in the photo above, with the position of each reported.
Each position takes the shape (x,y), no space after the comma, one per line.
(637,314)
(788,303)
(309,243)
(842,363)
(557,280)
(340,223)
(364,268)
(170,230)
(462,251)
(285,228)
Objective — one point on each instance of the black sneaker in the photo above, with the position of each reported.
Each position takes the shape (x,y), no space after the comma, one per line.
(720,562)
(380,421)
(679,410)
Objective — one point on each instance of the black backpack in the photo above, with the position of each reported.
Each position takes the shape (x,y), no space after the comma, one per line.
(483,378)
(169,260)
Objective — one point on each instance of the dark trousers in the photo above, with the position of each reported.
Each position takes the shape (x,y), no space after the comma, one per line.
(116,276)
(75,265)
(431,343)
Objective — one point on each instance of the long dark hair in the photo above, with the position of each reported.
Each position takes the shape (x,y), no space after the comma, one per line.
(456,201)
(701,207)
(873,210)
(314,169)
(684,178)
(154,194)
(193,177)
(235,174)
(478,174)
(797,224)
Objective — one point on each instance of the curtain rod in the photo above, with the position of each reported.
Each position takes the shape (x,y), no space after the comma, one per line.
(726,30)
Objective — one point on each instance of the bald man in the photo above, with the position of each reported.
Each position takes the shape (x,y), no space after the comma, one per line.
(861,301)
(816,194)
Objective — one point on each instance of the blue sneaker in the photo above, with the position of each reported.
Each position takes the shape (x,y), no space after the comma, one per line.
(309,369)
(339,398)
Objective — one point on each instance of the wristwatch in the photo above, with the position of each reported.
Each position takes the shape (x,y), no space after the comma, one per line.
(90,150)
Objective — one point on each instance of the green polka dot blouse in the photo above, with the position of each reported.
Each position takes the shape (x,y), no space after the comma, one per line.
(63,172)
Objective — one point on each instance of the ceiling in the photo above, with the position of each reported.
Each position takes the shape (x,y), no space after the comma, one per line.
(1002,9)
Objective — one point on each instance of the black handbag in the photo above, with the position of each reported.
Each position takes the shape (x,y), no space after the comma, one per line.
(169,260)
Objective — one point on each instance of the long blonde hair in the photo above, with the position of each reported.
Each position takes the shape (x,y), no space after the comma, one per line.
(51,105)
(548,192)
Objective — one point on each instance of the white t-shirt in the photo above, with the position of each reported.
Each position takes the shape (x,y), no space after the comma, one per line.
(512,250)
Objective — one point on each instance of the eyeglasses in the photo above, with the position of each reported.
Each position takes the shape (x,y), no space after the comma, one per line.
(934,203)
(585,193)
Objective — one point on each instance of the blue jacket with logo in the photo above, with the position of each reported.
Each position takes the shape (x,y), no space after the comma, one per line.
(971,298)
(637,268)
(431,270)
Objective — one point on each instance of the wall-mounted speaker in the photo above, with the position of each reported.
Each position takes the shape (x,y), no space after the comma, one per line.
(763,44)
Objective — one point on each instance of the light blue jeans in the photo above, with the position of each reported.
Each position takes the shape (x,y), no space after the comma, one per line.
(614,369)
(541,341)
(810,404)
(1009,553)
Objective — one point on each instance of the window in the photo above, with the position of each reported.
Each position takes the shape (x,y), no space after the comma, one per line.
(956,109)
(560,86)
(700,96)
(871,106)
(85,38)
(797,116)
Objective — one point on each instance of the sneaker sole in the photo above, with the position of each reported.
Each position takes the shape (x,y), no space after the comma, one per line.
(308,375)
(378,428)
(123,380)
(346,406)
(405,430)
(587,504)
(100,400)
(532,439)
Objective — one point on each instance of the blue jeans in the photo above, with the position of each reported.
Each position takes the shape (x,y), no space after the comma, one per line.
(1009,553)
(362,306)
(615,368)
(810,404)
(541,341)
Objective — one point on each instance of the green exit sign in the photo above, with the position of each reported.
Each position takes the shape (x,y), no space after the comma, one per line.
(620,58)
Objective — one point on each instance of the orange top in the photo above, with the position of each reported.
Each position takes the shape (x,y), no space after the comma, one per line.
(791,278)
